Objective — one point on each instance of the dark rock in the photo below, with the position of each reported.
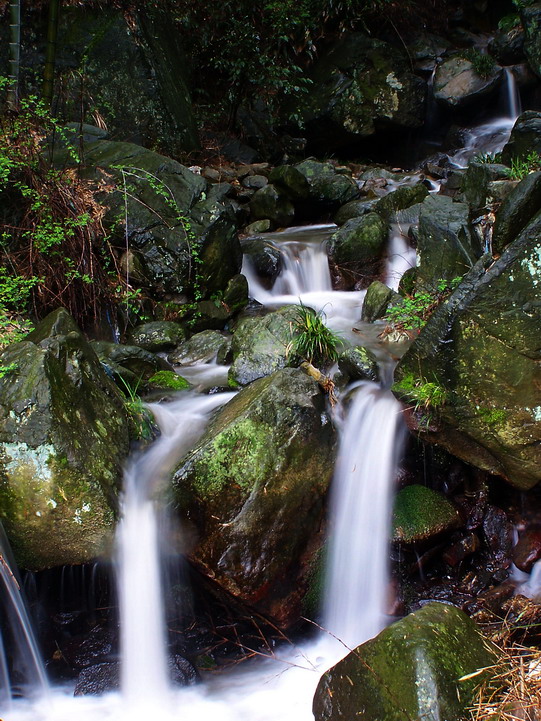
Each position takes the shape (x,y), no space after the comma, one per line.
(525,137)
(157,336)
(507,46)
(128,362)
(201,348)
(498,535)
(290,181)
(481,347)
(457,552)
(268,203)
(258,226)
(361,86)
(531,21)
(458,85)
(421,513)
(264,257)
(400,199)
(476,182)
(261,345)
(97,646)
(353,209)
(445,244)
(328,190)
(235,297)
(376,301)
(358,364)
(528,550)
(516,211)
(63,440)
(254,486)
(182,671)
(98,679)
(424,666)
(357,248)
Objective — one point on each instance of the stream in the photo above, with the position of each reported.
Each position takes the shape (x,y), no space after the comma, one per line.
(371,436)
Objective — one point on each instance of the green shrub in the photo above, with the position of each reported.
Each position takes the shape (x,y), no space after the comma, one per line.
(312,340)
(482,63)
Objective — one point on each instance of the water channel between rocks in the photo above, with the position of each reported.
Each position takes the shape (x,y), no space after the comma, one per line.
(279,688)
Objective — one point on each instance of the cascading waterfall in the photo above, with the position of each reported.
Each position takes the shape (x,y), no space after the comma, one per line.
(144,662)
(358,577)
(512,95)
(23,672)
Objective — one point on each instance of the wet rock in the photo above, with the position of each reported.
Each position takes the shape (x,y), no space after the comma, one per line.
(400,199)
(264,257)
(413,669)
(464,547)
(97,646)
(291,181)
(253,488)
(528,550)
(421,513)
(254,182)
(168,380)
(376,301)
(63,440)
(458,85)
(258,226)
(328,190)
(525,137)
(516,211)
(531,21)
(498,536)
(507,46)
(157,336)
(130,363)
(477,180)
(98,679)
(356,249)
(358,364)
(201,348)
(445,244)
(361,86)
(353,209)
(262,345)
(181,671)
(481,349)
(268,203)
(235,296)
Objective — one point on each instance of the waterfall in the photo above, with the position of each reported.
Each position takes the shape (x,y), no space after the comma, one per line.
(144,660)
(21,669)
(512,95)
(358,577)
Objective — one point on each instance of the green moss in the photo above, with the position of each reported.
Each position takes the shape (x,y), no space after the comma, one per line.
(492,416)
(420,512)
(423,393)
(313,598)
(239,456)
(170,380)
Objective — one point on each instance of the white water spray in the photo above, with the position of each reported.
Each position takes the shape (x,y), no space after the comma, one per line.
(358,583)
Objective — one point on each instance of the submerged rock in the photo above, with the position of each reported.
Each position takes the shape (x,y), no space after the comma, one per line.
(427,666)
(63,439)
(252,491)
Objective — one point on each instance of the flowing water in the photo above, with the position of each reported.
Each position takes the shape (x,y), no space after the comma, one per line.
(281,688)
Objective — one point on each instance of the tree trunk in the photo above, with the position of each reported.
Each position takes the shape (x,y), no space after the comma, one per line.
(50,51)
(14,52)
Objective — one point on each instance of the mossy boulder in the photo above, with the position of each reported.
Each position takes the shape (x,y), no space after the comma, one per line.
(63,439)
(160,335)
(361,86)
(168,380)
(290,181)
(128,364)
(353,209)
(358,363)
(531,22)
(376,301)
(457,84)
(328,190)
(271,204)
(426,666)
(477,181)
(252,491)
(525,137)
(421,513)
(400,199)
(356,249)
(201,348)
(446,246)
(180,240)
(264,258)
(517,209)
(482,349)
(261,345)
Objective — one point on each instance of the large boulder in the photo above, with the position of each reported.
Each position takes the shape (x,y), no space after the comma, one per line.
(262,345)
(426,666)
(525,137)
(184,242)
(457,84)
(327,189)
(445,244)
(63,439)
(356,249)
(253,487)
(517,209)
(481,352)
(361,86)
(531,21)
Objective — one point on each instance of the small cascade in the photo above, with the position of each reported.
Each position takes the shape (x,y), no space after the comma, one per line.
(512,95)
(400,256)
(358,577)
(21,670)
(144,659)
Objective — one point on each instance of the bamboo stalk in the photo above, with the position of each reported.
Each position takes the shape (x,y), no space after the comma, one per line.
(14,52)
(50,51)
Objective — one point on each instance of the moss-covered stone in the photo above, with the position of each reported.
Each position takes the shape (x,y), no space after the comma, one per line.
(525,137)
(262,345)
(328,190)
(420,513)
(358,363)
(530,15)
(253,490)
(201,348)
(400,199)
(377,299)
(168,380)
(157,336)
(63,438)
(481,346)
(269,203)
(426,666)
(516,211)
(357,247)
(458,85)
